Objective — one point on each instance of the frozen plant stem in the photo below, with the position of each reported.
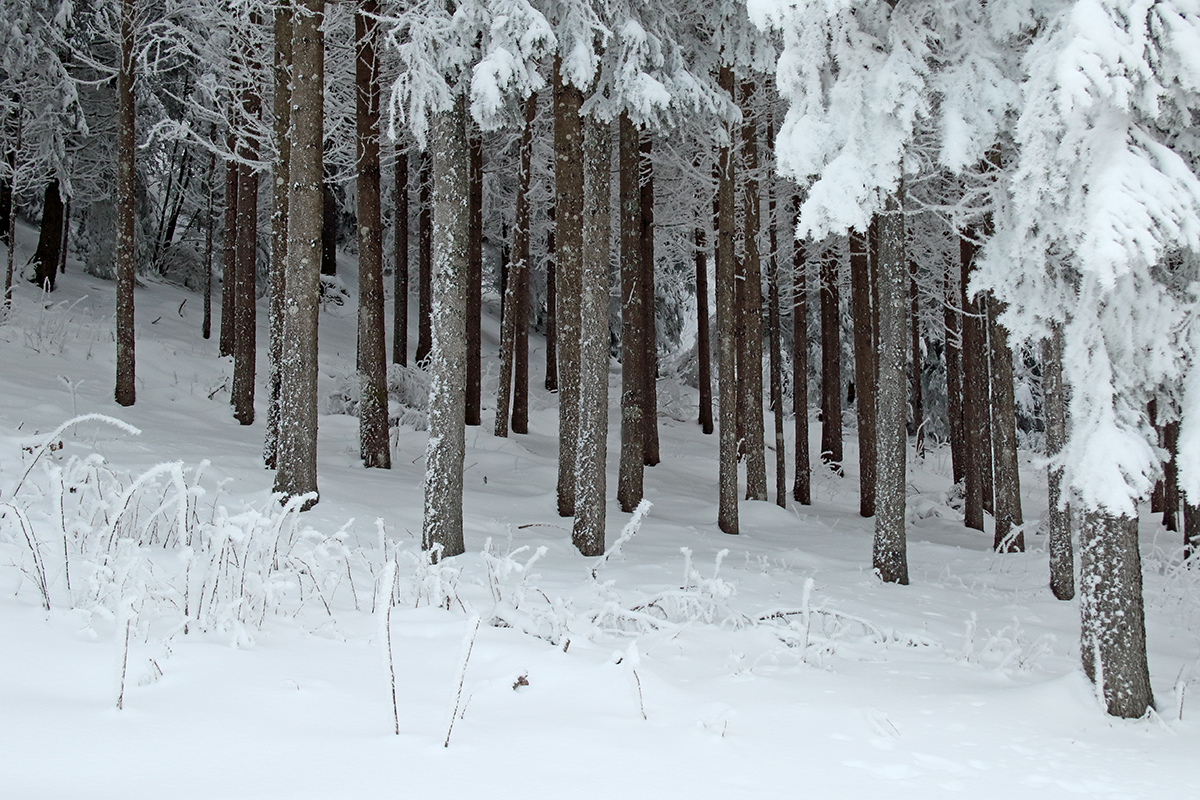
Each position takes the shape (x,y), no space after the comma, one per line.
(468,645)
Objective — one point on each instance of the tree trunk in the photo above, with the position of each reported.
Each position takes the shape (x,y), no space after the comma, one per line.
(374,446)
(1171,477)
(66,236)
(1156,497)
(281,119)
(773,338)
(1004,438)
(125,392)
(1062,557)
(864,371)
(8,217)
(474,278)
(649,331)
(206,321)
(296,474)
(520,408)
(1113,624)
(974,392)
(914,375)
(951,299)
(752,303)
(568,220)
(245,346)
(400,258)
(889,555)
(802,487)
(229,253)
(443,529)
(551,310)
(831,363)
(633,320)
(49,246)
(424,259)
(1191,528)
(727,401)
(588,529)
(703,340)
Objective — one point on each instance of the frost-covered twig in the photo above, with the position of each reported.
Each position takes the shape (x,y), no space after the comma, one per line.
(40,449)
(468,645)
(628,532)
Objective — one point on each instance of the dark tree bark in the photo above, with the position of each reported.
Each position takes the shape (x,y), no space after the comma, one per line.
(951,299)
(424,258)
(568,220)
(281,113)
(831,363)
(864,371)
(1191,528)
(245,346)
(914,375)
(551,310)
(752,307)
(634,339)
(66,236)
(650,453)
(206,321)
(474,277)
(1171,476)
(773,339)
(703,340)
(1156,497)
(49,247)
(8,219)
(889,554)
(228,253)
(125,392)
(520,407)
(400,259)
(974,392)
(802,487)
(588,530)
(1062,557)
(443,530)
(1004,438)
(1113,623)
(374,445)
(296,474)
(727,404)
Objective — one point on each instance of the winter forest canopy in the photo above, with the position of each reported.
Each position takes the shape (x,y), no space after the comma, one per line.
(968,227)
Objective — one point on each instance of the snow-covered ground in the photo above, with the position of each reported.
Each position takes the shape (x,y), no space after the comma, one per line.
(687,664)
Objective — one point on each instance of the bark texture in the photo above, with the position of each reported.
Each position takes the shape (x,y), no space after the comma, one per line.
(752,307)
(125,393)
(953,354)
(703,335)
(281,113)
(1009,537)
(1171,476)
(588,529)
(228,254)
(727,509)
(864,371)
(633,318)
(568,220)
(650,454)
(802,485)
(400,262)
(889,554)
(50,238)
(425,259)
(977,444)
(245,346)
(474,278)
(1062,556)
(1113,623)
(831,363)
(296,473)
(775,353)
(443,530)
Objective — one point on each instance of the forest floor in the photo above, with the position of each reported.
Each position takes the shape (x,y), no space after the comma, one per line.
(689,663)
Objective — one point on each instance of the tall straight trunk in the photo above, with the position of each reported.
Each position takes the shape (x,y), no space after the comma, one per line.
(974,392)
(281,118)
(245,291)
(568,221)
(443,530)
(400,262)
(1062,557)
(229,253)
(864,371)
(296,472)
(6,191)
(889,554)
(1156,496)
(206,320)
(1112,620)
(727,346)
(633,320)
(551,310)
(914,374)
(125,392)
(49,246)
(474,276)
(802,486)
(831,362)
(520,407)
(66,236)
(374,447)
(8,217)
(752,307)
(775,353)
(703,340)
(951,300)
(425,258)
(588,530)
(988,472)
(1171,476)
(1004,438)
(650,450)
